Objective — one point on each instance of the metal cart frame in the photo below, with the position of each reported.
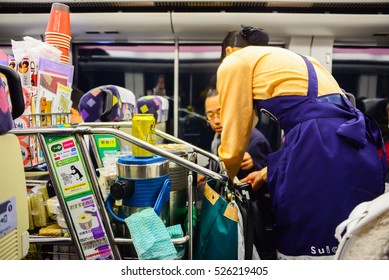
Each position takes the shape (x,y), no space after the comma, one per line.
(86,129)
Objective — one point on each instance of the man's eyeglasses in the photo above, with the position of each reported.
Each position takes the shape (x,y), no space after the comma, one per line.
(212,115)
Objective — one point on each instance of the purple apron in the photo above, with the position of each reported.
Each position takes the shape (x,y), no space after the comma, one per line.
(329,164)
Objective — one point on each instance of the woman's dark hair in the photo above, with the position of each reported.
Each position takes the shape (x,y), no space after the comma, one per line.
(248,36)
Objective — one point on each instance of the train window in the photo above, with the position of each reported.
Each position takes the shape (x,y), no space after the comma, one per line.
(119,65)
(149,69)
(197,69)
(362,71)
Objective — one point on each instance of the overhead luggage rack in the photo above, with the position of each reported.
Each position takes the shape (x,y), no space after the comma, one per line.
(84,196)
(88,6)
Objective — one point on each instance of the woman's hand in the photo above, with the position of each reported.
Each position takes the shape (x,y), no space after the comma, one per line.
(256,178)
(247,162)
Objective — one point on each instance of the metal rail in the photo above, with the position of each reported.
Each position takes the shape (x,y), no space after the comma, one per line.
(68,240)
(164,135)
(88,130)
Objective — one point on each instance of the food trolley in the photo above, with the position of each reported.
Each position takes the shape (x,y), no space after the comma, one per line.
(86,195)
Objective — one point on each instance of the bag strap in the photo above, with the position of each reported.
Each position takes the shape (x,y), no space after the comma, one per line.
(249,234)
(242,196)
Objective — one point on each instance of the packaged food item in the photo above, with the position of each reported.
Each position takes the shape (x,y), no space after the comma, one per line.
(61,221)
(53,206)
(38,206)
(107,176)
(51,230)
(31,225)
(55,211)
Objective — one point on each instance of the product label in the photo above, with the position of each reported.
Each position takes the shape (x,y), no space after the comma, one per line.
(90,231)
(69,168)
(73,182)
(107,142)
(8,216)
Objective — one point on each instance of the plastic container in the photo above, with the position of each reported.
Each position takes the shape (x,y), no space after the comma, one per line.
(61,221)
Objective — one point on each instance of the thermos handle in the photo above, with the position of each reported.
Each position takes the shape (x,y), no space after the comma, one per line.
(107,104)
(163,197)
(109,202)
(15,89)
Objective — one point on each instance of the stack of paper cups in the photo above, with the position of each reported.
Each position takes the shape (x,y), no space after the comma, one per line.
(58,30)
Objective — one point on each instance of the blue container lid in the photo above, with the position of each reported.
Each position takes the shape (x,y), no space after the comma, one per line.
(132,160)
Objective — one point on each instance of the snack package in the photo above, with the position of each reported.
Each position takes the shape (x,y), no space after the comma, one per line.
(38,198)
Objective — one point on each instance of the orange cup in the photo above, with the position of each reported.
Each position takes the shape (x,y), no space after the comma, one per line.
(58,44)
(56,34)
(65,51)
(59,20)
(63,39)
(64,60)
(58,37)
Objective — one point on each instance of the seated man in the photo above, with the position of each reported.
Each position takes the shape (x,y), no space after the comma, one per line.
(255,157)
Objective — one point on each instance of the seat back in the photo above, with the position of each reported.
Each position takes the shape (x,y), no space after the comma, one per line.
(14,237)
(14,223)
(376,107)
(364,235)
(107,103)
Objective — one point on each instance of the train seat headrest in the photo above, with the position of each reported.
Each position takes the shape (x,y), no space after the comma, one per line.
(11,98)
(377,108)
(107,103)
(6,122)
(154,104)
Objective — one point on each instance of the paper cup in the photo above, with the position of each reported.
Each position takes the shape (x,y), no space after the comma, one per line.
(65,42)
(59,38)
(65,51)
(57,34)
(58,44)
(65,58)
(59,20)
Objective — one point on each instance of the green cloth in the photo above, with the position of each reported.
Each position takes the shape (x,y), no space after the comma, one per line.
(150,237)
(175,231)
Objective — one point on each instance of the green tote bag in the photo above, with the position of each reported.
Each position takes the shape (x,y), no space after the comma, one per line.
(217,237)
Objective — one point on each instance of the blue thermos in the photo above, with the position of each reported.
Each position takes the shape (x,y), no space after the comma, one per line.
(142,182)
